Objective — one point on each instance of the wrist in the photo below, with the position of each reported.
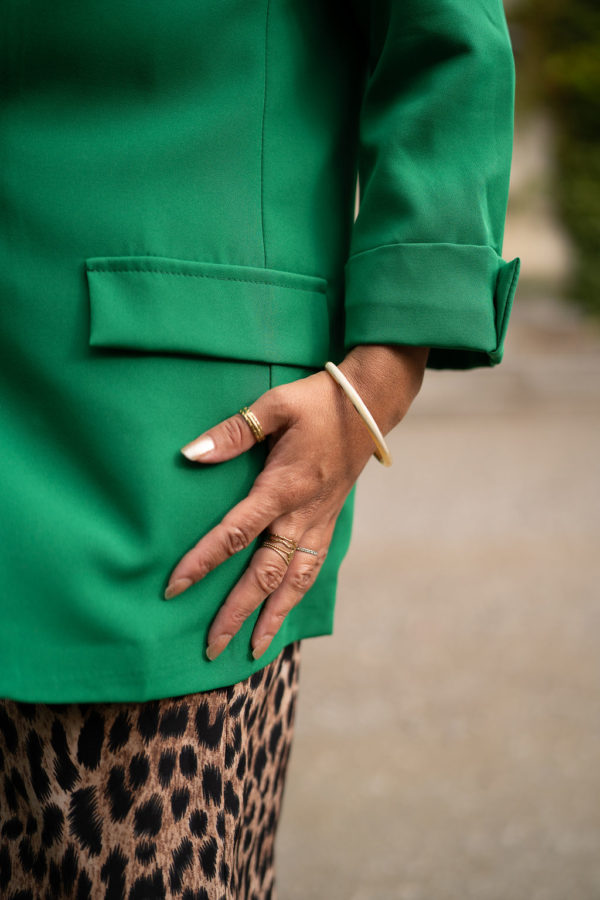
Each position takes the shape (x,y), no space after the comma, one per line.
(388,377)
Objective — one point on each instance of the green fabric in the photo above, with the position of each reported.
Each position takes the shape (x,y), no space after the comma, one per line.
(177,235)
(458,295)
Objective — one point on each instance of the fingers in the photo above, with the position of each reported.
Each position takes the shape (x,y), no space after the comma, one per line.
(299,578)
(263,576)
(235,532)
(268,575)
(234,435)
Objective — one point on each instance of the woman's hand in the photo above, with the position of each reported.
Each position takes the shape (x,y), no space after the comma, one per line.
(318,447)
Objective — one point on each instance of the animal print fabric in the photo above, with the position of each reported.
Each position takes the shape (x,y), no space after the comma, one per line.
(172,798)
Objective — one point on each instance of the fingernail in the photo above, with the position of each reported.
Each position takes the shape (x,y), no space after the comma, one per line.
(217,646)
(261,646)
(198,448)
(177,587)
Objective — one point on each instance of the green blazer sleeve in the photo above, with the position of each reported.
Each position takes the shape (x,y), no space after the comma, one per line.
(436,128)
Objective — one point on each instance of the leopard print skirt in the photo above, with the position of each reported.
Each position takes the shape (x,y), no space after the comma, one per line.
(173,798)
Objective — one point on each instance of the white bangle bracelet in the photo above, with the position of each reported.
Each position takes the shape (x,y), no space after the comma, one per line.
(381,453)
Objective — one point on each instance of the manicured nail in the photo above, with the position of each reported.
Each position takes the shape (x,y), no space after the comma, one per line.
(261,646)
(217,646)
(177,587)
(198,448)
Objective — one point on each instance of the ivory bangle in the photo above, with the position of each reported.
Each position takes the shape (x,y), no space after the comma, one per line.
(381,453)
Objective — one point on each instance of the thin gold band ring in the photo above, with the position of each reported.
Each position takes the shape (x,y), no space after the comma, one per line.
(253,423)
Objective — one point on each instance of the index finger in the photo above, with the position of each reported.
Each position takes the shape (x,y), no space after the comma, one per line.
(242,524)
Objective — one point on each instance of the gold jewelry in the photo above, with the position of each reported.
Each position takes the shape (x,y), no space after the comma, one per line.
(286,547)
(253,423)
(382,452)
(307,550)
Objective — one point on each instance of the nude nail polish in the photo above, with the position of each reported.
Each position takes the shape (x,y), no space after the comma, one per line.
(261,646)
(198,448)
(177,587)
(217,646)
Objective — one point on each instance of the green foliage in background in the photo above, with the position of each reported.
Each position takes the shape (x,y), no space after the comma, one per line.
(562,45)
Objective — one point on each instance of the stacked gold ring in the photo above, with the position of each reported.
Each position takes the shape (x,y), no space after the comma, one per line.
(286,547)
(253,423)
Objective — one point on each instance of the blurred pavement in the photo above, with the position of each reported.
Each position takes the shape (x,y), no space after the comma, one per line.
(448,734)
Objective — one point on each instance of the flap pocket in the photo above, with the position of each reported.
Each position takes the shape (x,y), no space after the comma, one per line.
(159,304)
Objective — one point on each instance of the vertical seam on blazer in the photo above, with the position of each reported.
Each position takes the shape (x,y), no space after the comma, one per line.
(262,138)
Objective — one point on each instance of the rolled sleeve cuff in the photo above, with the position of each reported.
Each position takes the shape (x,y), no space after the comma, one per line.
(454,298)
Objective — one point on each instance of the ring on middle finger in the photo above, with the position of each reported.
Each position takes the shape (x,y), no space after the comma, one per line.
(284,546)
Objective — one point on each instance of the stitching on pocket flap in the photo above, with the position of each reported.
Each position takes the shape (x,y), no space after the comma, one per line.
(156,304)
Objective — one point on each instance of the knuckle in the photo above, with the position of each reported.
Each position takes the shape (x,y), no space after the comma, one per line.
(310,509)
(322,475)
(201,567)
(234,430)
(237,616)
(296,494)
(264,491)
(292,489)
(302,491)
(268,577)
(236,538)
(279,399)
(271,493)
(301,579)
(279,615)
(275,396)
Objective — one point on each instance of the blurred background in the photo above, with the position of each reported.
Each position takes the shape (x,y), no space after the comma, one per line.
(448,734)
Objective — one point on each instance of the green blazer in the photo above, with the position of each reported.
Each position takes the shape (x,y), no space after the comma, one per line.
(177,235)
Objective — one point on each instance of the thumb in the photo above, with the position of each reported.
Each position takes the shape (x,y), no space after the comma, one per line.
(234,435)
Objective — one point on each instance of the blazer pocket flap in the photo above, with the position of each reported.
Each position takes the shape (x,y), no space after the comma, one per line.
(157,304)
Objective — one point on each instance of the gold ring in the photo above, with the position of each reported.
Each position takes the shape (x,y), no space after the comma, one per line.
(286,547)
(253,423)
